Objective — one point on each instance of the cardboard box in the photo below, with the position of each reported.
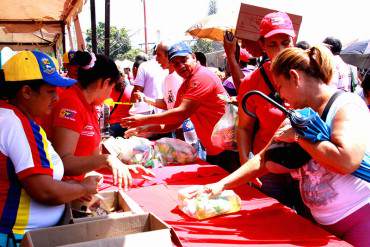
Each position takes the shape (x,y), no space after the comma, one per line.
(131,230)
(115,200)
(250,18)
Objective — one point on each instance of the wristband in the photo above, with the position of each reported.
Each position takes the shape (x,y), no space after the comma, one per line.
(296,137)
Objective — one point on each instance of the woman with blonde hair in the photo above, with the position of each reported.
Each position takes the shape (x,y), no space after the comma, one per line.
(337,200)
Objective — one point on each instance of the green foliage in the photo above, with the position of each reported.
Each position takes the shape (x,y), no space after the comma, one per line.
(202,45)
(130,55)
(119,41)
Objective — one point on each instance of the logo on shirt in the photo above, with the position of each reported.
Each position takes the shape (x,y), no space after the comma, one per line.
(88,131)
(68,114)
(171,97)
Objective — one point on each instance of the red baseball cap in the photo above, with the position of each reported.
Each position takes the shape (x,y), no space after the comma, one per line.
(276,22)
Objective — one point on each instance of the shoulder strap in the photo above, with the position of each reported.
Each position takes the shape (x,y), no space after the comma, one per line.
(266,79)
(328,105)
(274,94)
(118,100)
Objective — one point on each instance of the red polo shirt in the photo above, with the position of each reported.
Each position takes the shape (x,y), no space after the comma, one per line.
(269,117)
(73,112)
(203,87)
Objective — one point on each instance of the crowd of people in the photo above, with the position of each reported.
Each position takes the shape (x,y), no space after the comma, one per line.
(50,138)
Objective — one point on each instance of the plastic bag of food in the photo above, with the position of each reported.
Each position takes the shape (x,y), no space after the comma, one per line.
(202,206)
(135,150)
(171,150)
(224,132)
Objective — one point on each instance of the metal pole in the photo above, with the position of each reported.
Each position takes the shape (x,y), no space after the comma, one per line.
(63,27)
(70,37)
(107,27)
(145,33)
(93,26)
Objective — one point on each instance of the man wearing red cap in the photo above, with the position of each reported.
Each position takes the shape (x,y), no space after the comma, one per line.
(276,34)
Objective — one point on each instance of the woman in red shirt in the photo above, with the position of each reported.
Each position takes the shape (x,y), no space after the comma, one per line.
(73,124)
(276,34)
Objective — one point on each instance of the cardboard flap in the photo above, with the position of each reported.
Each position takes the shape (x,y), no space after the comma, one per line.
(94,230)
(249,20)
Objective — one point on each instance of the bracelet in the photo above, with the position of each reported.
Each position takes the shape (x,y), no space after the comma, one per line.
(296,137)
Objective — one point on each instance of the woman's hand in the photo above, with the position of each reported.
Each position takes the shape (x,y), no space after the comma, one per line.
(140,170)
(91,184)
(120,171)
(212,190)
(285,133)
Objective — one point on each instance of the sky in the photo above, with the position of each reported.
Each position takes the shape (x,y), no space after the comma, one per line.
(347,20)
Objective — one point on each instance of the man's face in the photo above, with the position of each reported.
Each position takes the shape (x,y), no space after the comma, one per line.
(162,58)
(275,44)
(184,66)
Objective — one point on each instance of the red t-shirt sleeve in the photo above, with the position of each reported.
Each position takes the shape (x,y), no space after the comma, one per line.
(69,115)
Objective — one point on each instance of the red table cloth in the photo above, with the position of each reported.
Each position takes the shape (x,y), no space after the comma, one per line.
(262,220)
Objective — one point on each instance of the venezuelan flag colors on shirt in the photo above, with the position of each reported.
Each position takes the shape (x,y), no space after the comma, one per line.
(24,151)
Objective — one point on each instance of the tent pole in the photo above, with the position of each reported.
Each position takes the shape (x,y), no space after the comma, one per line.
(63,26)
(107,28)
(93,25)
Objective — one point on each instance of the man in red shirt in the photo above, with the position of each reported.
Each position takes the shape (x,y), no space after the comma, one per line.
(196,99)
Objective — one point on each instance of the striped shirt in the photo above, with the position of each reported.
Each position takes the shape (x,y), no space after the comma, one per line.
(24,151)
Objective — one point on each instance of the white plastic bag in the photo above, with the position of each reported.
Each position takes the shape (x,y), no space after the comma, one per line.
(224,132)
(171,150)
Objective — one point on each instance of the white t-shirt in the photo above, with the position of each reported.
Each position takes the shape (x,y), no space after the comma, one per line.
(342,75)
(150,76)
(329,195)
(24,151)
(171,85)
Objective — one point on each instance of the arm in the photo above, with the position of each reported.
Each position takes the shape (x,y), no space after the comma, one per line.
(346,148)
(173,116)
(148,130)
(244,136)
(159,103)
(45,190)
(65,143)
(134,97)
(236,73)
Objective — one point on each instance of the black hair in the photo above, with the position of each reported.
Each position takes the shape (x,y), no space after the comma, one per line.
(9,90)
(137,63)
(103,67)
(303,45)
(366,85)
(201,58)
(141,57)
(334,45)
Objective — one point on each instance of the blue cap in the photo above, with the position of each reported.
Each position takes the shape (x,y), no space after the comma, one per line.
(179,50)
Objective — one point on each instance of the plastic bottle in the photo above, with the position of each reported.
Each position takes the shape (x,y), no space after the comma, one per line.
(104,121)
(190,135)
